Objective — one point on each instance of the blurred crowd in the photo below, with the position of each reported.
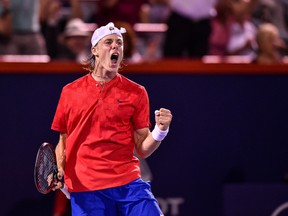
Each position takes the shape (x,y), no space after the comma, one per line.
(61,29)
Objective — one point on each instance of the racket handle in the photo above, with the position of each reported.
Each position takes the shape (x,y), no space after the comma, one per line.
(64,189)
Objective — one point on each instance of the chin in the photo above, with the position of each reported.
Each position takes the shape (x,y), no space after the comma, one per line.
(113,68)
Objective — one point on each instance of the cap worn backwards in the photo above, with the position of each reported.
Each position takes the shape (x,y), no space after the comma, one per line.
(104,31)
(76,27)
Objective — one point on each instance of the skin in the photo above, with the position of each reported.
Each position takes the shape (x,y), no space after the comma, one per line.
(269,43)
(104,71)
(76,44)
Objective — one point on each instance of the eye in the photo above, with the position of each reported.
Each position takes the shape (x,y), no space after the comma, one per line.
(108,42)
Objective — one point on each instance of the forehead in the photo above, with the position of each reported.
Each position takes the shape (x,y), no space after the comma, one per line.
(112,37)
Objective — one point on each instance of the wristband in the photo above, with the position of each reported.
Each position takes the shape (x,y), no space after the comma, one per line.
(158,134)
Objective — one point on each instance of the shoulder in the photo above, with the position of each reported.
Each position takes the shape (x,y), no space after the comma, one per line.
(78,83)
(130,84)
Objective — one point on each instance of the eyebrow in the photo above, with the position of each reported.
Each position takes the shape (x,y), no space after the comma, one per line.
(112,39)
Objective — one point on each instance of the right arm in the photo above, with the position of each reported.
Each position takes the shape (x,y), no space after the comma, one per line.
(76,9)
(5,19)
(60,152)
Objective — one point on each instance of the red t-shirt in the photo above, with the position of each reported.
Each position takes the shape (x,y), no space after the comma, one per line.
(100,123)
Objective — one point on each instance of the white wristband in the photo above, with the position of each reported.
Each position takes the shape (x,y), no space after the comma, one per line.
(158,134)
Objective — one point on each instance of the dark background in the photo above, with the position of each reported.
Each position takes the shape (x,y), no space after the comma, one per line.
(227,130)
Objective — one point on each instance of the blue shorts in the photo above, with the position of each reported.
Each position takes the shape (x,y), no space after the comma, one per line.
(133,199)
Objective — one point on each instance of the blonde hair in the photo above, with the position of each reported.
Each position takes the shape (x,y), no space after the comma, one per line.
(266,29)
(89,63)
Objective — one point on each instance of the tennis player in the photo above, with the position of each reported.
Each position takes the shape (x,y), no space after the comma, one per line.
(102,117)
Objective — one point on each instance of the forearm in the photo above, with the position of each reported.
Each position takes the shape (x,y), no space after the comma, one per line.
(60,152)
(5,19)
(148,146)
(76,9)
(147,142)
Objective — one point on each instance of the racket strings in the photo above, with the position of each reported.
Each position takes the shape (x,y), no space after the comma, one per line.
(47,170)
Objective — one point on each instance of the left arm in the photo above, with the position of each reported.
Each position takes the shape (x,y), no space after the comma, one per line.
(147,142)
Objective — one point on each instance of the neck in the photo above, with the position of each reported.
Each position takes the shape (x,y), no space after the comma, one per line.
(272,54)
(103,77)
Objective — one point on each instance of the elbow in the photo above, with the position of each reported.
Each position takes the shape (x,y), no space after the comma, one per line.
(142,154)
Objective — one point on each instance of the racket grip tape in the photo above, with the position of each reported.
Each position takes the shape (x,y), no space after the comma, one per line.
(64,190)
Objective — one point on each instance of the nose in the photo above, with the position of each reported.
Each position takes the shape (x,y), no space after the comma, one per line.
(115,45)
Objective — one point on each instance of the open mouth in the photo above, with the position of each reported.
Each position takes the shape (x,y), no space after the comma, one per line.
(114,57)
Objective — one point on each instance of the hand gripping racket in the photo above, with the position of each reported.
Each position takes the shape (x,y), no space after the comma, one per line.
(45,170)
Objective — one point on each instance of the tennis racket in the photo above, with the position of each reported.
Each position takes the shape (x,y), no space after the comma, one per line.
(45,170)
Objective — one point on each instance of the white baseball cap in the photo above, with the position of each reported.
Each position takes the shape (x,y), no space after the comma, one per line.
(103,31)
(76,27)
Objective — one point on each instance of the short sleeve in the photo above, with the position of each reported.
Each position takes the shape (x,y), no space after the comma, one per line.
(59,122)
(141,117)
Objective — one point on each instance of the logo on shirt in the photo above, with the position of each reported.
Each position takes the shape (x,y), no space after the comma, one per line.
(121,101)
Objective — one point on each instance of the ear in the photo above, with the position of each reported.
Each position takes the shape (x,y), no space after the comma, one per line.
(94,51)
